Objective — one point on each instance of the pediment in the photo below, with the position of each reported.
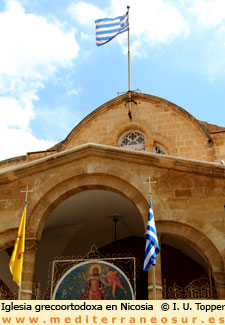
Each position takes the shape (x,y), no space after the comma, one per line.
(162,123)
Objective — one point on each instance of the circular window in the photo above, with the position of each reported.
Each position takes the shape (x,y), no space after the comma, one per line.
(133,140)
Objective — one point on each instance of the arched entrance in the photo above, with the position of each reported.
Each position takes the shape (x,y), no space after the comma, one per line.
(85,219)
(186,274)
(188,255)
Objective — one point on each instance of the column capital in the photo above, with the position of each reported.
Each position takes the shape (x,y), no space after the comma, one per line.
(31,244)
(219,280)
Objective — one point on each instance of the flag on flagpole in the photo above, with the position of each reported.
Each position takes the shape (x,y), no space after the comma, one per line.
(108,28)
(152,245)
(16,261)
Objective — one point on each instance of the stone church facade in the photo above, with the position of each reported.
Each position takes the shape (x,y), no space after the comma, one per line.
(100,172)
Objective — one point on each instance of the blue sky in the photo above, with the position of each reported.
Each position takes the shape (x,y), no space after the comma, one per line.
(52,74)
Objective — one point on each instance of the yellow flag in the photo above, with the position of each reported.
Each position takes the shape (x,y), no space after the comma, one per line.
(16,261)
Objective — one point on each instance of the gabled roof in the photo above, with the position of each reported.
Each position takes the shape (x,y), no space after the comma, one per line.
(212,128)
(202,126)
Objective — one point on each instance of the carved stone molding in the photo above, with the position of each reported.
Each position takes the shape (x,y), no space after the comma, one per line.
(219,279)
(31,245)
(137,96)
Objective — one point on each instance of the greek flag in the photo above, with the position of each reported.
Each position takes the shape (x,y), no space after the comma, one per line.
(108,28)
(152,246)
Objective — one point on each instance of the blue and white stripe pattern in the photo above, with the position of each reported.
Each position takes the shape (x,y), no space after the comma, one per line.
(152,245)
(108,28)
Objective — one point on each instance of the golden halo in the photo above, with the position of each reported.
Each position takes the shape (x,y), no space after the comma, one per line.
(95,266)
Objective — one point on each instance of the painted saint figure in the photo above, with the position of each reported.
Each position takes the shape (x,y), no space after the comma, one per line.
(94,284)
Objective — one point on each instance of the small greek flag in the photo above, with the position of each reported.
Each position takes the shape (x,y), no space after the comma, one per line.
(108,28)
(152,245)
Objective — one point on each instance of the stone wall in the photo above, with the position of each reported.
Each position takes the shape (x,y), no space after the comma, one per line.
(219,141)
(162,122)
(188,196)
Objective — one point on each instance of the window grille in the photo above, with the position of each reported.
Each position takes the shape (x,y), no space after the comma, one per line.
(159,149)
(133,140)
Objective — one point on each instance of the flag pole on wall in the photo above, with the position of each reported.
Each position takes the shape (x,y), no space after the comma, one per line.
(106,30)
(152,245)
(128,43)
(16,260)
(128,35)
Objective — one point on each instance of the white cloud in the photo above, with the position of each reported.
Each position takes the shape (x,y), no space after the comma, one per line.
(151,21)
(209,13)
(18,142)
(16,137)
(85,36)
(73,91)
(33,50)
(86,13)
(208,25)
(138,49)
(15,113)
(30,46)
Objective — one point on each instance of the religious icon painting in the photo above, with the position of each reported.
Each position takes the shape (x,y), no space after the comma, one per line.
(93,280)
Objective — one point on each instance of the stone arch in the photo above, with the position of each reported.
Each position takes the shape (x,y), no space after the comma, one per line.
(50,200)
(151,114)
(125,129)
(203,245)
(7,238)
(134,139)
(196,238)
(124,99)
(149,141)
(165,142)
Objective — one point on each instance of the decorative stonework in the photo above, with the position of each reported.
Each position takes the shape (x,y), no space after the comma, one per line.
(137,96)
(32,245)
(219,278)
(133,140)
(158,148)
(188,192)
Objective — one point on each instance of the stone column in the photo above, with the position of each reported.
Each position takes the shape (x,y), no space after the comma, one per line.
(219,281)
(31,247)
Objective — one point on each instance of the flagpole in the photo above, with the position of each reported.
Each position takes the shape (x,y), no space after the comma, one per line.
(25,211)
(25,207)
(128,44)
(153,281)
(153,265)
(128,7)
(20,287)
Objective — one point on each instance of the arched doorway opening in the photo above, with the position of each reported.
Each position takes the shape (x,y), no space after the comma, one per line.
(86,219)
(186,273)
(192,242)
(8,288)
